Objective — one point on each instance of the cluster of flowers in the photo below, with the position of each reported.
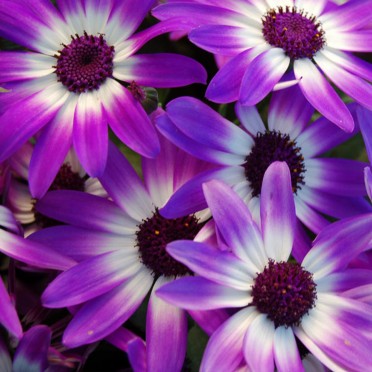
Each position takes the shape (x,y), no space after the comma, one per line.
(239,244)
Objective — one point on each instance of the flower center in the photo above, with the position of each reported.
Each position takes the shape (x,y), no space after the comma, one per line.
(285,292)
(300,35)
(269,147)
(155,233)
(85,63)
(65,179)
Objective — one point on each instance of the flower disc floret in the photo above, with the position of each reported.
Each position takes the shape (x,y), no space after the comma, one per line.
(85,63)
(285,292)
(269,147)
(155,233)
(293,30)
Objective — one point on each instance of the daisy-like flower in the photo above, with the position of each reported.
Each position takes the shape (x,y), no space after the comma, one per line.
(266,37)
(70,82)
(120,246)
(330,186)
(282,303)
(71,176)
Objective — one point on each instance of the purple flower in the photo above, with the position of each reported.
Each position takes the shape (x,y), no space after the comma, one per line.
(71,176)
(264,37)
(330,186)
(120,247)
(69,83)
(281,303)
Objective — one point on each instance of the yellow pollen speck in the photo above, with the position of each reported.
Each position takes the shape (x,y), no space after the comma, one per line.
(90,332)
(157,232)
(285,29)
(284,291)
(347,342)
(186,224)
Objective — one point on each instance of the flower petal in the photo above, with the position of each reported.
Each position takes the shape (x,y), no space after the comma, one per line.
(321,95)
(166,333)
(197,293)
(278,215)
(261,76)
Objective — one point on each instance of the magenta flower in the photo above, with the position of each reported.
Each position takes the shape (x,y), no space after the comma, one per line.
(265,36)
(330,186)
(280,303)
(69,84)
(120,247)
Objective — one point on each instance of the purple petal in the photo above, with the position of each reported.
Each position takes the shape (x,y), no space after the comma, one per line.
(334,205)
(103,315)
(235,223)
(262,75)
(224,350)
(8,314)
(163,70)
(364,117)
(224,269)
(32,351)
(137,355)
(289,111)
(197,293)
(286,354)
(209,320)
(125,187)
(368,181)
(321,95)
(90,134)
(354,41)
(190,198)
(327,255)
(8,221)
(91,278)
(5,360)
(121,338)
(226,40)
(320,137)
(173,134)
(223,88)
(205,126)
(336,176)
(258,344)
(94,212)
(166,333)
(80,244)
(32,253)
(250,118)
(128,119)
(355,87)
(278,215)
(51,149)
(22,120)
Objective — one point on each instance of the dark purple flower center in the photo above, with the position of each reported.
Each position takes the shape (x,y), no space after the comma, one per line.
(65,179)
(285,292)
(269,147)
(155,233)
(300,35)
(85,63)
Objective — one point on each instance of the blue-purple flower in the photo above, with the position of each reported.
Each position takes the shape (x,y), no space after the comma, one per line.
(322,186)
(284,307)
(120,246)
(265,37)
(69,83)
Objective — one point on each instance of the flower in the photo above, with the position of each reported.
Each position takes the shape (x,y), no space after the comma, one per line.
(70,176)
(280,303)
(330,186)
(69,84)
(266,37)
(120,247)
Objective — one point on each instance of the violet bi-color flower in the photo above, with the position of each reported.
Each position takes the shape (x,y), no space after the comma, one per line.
(266,37)
(69,84)
(284,306)
(331,186)
(71,176)
(120,246)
